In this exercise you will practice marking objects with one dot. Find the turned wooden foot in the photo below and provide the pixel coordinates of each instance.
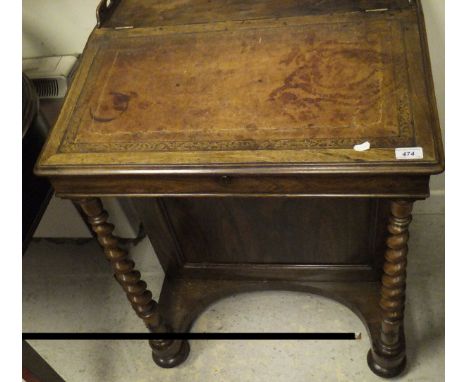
(166, 353)
(171, 355)
(387, 357)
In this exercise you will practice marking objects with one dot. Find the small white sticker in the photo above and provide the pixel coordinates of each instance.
(362, 147)
(409, 153)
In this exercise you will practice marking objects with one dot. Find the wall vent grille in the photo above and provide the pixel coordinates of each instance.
(50, 87)
(47, 87)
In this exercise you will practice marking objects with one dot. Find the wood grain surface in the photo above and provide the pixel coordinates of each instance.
(295, 91)
(273, 231)
(144, 13)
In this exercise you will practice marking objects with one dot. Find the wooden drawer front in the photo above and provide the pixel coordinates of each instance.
(246, 185)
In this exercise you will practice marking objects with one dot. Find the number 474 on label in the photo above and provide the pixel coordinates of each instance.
(409, 153)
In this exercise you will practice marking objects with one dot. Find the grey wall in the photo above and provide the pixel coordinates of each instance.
(54, 28)
(434, 13)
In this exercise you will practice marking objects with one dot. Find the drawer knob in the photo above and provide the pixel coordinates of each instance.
(226, 180)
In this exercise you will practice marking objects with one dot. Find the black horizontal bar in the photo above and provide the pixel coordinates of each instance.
(191, 336)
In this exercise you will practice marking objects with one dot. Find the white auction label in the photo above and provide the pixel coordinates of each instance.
(409, 153)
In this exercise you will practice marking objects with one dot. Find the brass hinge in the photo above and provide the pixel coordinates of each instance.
(104, 10)
(377, 10)
(410, 2)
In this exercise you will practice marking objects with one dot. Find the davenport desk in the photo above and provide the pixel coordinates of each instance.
(239, 129)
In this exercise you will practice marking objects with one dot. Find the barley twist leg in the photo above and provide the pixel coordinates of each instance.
(387, 358)
(166, 353)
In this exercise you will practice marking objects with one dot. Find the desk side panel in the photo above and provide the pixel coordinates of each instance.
(307, 238)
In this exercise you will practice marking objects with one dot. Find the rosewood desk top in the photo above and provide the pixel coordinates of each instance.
(173, 102)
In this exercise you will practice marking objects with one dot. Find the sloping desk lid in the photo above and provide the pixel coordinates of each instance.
(291, 94)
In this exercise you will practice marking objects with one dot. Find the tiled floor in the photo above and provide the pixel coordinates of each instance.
(68, 287)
